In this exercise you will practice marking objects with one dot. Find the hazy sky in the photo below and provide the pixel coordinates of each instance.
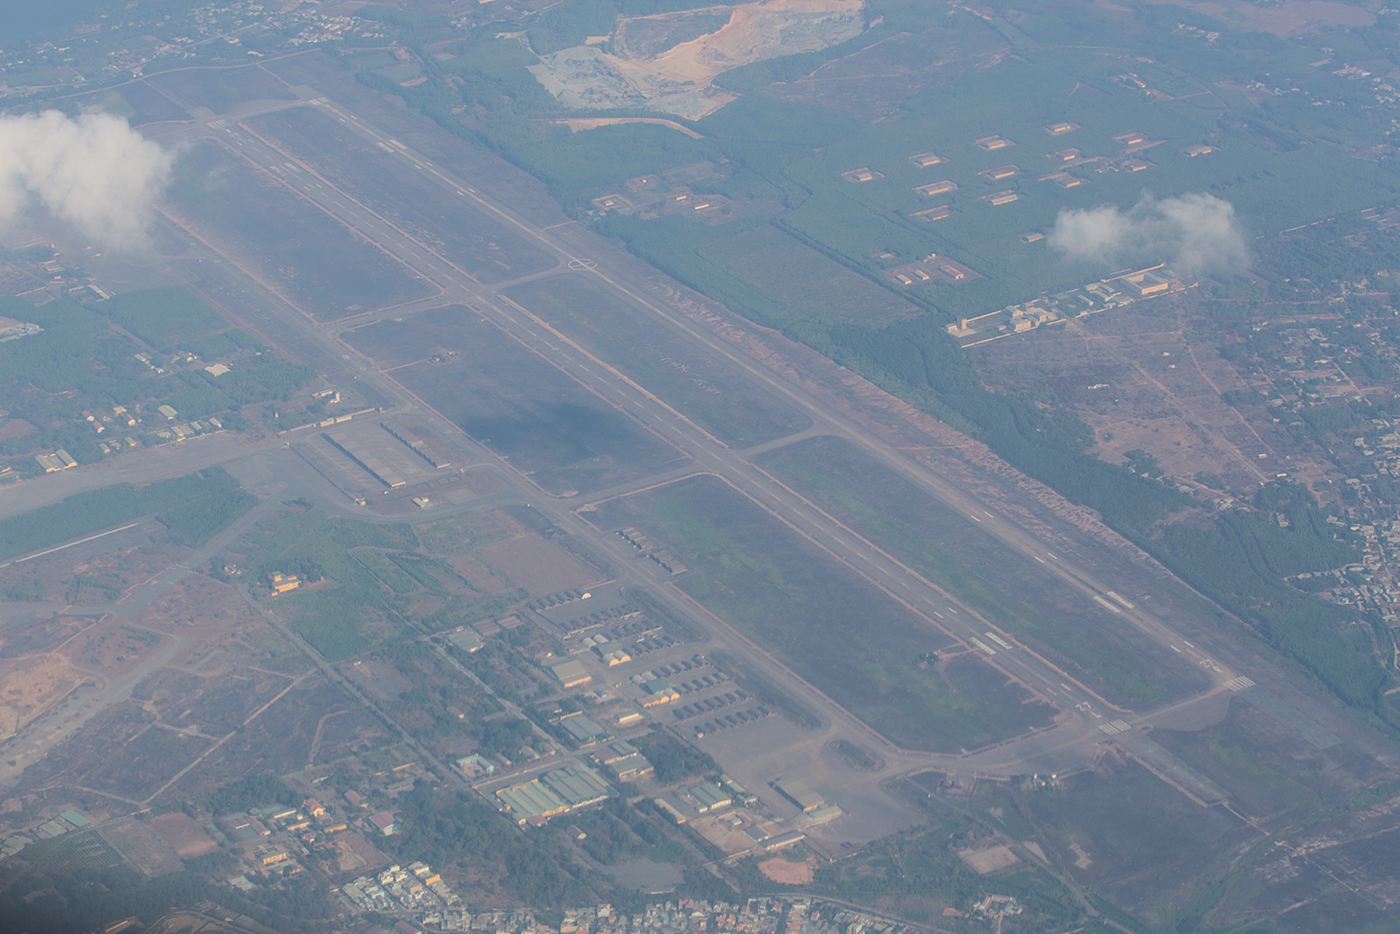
(23, 19)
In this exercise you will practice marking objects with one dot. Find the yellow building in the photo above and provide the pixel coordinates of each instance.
(281, 583)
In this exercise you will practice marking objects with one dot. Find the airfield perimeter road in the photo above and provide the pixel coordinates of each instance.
(1078, 727)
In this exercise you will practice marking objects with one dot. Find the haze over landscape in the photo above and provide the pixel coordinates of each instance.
(652, 467)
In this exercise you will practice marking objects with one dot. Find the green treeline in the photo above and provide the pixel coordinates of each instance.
(673, 759)
(194, 508)
(536, 869)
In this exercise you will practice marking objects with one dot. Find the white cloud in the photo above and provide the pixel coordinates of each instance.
(92, 171)
(1194, 232)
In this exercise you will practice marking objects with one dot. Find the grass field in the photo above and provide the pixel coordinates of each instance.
(460, 534)
(726, 403)
(417, 202)
(836, 630)
(195, 507)
(991, 578)
(220, 90)
(1262, 163)
(1136, 839)
(1266, 182)
(801, 277)
(1271, 771)
(324, 268)
(349, 611)
(376, 582)
(388, 573)
(511, 400)
(162, 317)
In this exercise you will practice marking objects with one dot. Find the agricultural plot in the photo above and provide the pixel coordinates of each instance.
(337, 272)
(843, 635)
(726, 403)
(416, 202)
(84, 850)
(526, 410)
(1006, 587)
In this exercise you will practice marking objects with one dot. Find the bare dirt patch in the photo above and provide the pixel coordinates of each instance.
(182, 833)
(988, 859)
(479, 574)
(112, 647)
(679, 78)
(40, 636)
(782, 871)
(1144, 383)
(219, 629)
(356, 853)
(142, 849)
(578, 124)
(539, 566)
(30, 686)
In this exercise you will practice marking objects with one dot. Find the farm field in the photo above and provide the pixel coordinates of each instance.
(475, 242)
(726, 403)
(336, 273)
(1001, 584)
(524, 409)
(848, 639)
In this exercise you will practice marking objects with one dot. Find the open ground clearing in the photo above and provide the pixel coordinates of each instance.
(1135, 838)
